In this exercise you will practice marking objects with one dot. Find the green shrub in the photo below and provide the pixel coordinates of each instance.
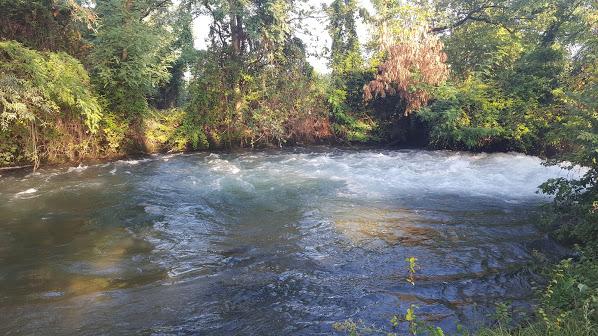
(467, 116)
(278, 104)
(575, 206)
(48, 110)
(114, 131)
(345, 125)
(568, 304)
(166, 131)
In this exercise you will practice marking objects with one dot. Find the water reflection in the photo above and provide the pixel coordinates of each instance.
(392, 226)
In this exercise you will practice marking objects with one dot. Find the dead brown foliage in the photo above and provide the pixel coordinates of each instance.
(410, 65)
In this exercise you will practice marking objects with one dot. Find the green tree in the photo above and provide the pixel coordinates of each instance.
(173, 93)
(345, 96)
(131, 58)
(240, 89)
(49, 25)
(520, 56)
(345, 53)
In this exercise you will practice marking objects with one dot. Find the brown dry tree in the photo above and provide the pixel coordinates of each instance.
(412, 64)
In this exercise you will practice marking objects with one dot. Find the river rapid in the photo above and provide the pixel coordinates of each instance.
(267, 243)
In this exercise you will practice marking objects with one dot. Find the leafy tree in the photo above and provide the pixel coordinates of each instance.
(482, 49)
(240, 89)
(392, 22)
(345, 50)
(521, 54)
(50, 25)
(347, 110)
(408, 62)
(131, 57)
(575, 207)
(409, 66)
(173, 92)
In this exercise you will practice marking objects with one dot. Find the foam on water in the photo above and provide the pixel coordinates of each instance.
(25, 193)
(78, 169)
(219, 165)
(403, 173)
(509, 176)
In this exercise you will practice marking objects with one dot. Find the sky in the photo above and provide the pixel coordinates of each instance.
(316, 41)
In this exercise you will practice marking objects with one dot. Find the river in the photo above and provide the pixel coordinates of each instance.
(266, 243)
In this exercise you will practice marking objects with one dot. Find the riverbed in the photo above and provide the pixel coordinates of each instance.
(283, 242)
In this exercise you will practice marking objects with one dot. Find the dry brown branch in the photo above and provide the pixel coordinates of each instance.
(410, 64)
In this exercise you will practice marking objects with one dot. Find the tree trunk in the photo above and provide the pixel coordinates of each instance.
(237, 36)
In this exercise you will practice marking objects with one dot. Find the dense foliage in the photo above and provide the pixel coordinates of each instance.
(130, 58)
(447, 74)
(48, 109)
(348, 112)
(48, 25)
(239, 94)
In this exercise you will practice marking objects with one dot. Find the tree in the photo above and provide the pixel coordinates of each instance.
(393, 21)
(408, 68)
(410, 59)
(48, 109)
(173, 93)
(240, 91)
(517, 59)
(49, 25)
(348, 72)
(345, 53)
(131, 58)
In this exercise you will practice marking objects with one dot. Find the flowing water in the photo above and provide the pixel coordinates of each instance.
(266, 243)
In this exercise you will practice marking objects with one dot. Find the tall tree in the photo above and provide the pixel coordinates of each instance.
(409, 58)
(131, 55)
(345, 53)
(48, 25)
(249, 50)
(348, 71)
(173, 92)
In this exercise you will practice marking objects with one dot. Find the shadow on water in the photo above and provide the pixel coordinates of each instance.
(71, 241)
(265, 243)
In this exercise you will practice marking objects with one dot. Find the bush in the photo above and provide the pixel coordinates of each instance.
(165, 131)
(48, 110)
(281, 103)
(466, 117)
(114, 132)
(568, 304)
